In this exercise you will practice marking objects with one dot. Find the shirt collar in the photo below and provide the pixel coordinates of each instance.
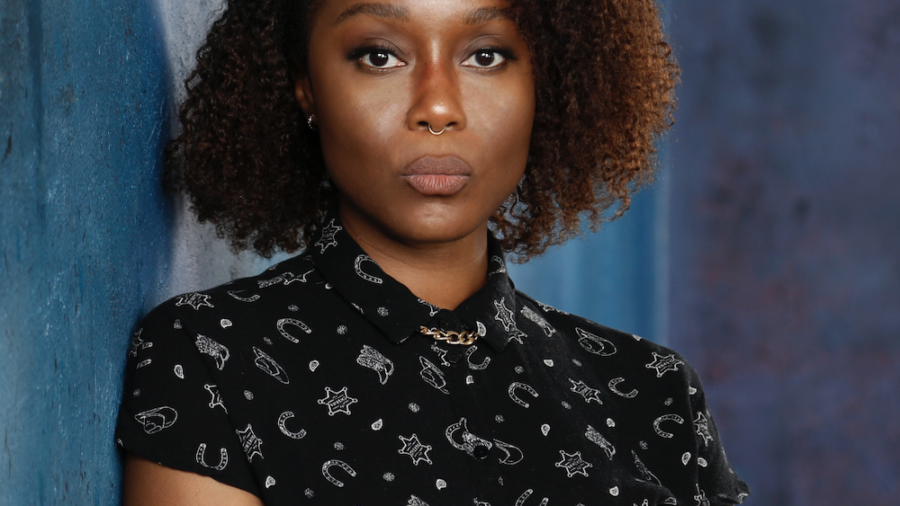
(393, 309)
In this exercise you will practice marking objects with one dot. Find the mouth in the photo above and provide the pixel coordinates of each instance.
(440, 176)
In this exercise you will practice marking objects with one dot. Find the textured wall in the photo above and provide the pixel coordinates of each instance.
(84, 234)
(785, 264)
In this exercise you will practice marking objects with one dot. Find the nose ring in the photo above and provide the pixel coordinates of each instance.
(436, 133)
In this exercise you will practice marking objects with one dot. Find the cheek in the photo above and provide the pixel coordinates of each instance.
(504, 121)
(357, 128)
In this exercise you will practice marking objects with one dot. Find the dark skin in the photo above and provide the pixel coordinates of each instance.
(418, 203)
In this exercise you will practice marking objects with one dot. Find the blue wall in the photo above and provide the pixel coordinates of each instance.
(84, 234)
(785, 258)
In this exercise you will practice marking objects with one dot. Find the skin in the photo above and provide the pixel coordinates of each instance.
(373, 111)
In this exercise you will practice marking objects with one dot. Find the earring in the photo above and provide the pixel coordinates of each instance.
(310, 122)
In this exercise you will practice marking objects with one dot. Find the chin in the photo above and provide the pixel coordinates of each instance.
(439, 230)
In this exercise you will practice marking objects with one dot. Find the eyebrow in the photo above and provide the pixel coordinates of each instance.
(388, 11)
(385, 11)
(485, 14)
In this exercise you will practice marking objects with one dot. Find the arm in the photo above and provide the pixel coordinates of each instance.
(150, 484)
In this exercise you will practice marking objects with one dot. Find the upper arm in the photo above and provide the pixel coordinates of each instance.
(150, 484)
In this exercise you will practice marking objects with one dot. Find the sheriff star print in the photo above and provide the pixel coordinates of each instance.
(414, 448)
(250, 442)
(327, 240)
(589, 394)
(701, 424)
(573, 464)
(195, 300)
(507, 318)
(337, 401)
(138, 344)
(664, 364)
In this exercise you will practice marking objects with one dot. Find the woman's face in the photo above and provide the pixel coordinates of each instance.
(381, 73)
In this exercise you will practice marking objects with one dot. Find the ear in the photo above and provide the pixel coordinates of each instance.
(303, 94)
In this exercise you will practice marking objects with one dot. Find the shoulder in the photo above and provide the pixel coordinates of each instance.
(615, 350)
(250, 296)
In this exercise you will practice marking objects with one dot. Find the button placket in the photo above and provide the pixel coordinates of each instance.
(483, 458)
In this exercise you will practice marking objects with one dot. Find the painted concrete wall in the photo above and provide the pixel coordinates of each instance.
(84, 234)
(785, 262)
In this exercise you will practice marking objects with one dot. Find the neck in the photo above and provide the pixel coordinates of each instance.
(444, 274)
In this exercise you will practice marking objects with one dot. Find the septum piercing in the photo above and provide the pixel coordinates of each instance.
(436, 133)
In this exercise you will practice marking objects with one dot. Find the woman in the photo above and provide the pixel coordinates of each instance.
(393, 362)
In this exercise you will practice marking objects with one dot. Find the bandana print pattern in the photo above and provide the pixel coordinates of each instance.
(310, 384)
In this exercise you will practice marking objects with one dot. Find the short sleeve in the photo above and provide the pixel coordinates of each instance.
(718, 484)
(172, 411)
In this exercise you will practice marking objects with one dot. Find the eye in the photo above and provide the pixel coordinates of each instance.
(486, 59)
(378, 58)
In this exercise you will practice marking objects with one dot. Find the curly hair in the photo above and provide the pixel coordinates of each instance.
(604, 95)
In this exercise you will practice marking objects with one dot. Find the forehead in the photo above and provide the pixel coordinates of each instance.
(336, 12)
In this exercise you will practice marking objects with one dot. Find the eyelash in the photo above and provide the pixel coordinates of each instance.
(357, 54)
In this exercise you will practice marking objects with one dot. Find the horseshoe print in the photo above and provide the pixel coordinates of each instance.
(368, 277)
(223, 458)
(512, 393)
(326, 471)
(234, 294)
(282, 420)
(612, 386)
(525, 495)
(476, 367)
(296, 323)
(666, 418)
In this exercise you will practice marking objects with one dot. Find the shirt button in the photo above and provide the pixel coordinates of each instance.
(454, 354)
(447, 320)
(480, 452)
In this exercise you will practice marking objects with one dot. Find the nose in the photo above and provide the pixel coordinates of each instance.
(437, 101)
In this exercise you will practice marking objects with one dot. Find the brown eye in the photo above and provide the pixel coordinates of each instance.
(379, 59)
(485, 59)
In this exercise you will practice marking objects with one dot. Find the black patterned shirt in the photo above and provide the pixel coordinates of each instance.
(311, 384)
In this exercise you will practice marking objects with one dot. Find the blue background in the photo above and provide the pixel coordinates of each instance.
(767, 253)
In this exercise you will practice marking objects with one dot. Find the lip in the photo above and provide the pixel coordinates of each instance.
(442, 176)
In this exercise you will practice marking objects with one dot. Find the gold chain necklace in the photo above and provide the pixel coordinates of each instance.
(464, 338)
